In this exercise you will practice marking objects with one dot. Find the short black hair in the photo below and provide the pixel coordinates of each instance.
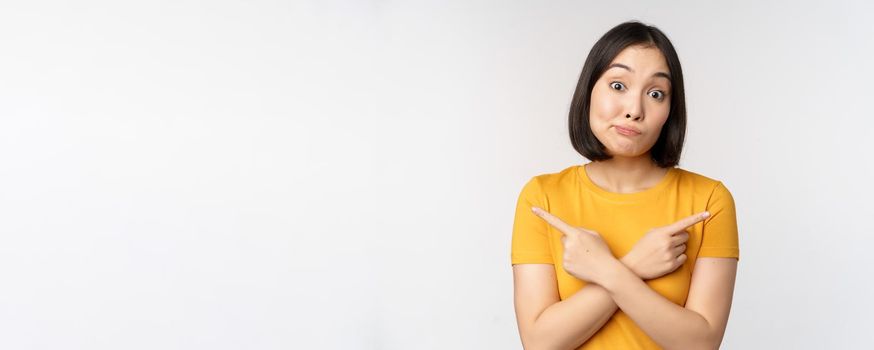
(667, 149)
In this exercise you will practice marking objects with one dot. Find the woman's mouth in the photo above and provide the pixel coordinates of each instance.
(626, 131)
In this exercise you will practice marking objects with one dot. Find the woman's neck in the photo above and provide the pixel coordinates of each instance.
(625, 175)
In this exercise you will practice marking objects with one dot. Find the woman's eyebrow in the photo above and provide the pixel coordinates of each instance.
(657, 74)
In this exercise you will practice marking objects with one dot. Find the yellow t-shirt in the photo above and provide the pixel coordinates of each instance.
(622, 219)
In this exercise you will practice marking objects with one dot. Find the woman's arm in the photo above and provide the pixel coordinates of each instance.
(588, 258)
(545, 321)
(700, 325)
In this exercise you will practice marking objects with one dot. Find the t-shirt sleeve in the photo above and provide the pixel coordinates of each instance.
(530, 243)
(720, 237)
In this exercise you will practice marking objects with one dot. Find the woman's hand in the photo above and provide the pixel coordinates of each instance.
(586, 255)
(661, 250)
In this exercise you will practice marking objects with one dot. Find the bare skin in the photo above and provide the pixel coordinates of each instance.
(638, 99)
(631, 94)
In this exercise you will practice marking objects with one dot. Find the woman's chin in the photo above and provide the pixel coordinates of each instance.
(625, 153)
(626, 149)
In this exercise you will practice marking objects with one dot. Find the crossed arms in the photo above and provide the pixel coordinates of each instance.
(546, 322)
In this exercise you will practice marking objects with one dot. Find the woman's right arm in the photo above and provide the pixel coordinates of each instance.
(545, 321)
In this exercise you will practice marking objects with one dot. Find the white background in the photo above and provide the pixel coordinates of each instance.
(343, 174)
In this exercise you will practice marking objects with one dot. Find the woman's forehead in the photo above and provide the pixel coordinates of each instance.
(637, 59)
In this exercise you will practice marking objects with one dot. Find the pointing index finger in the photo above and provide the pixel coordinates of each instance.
(687, 222)
(553, 220)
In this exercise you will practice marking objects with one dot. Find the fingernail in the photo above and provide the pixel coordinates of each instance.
(536, 210)
(706, 214)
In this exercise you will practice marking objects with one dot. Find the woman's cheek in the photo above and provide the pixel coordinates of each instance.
(600, 118)
(602, 105)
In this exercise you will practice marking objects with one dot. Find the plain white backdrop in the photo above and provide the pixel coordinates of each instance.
(343, 174)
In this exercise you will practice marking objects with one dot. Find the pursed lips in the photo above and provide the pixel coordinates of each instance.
(627, 130)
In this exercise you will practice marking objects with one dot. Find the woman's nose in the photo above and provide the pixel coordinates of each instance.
(635, 110)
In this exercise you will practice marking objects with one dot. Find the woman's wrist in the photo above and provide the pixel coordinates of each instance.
(629, 262)
(615, 275)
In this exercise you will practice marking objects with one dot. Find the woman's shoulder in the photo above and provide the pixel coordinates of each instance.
(561, 177)
(693, 180)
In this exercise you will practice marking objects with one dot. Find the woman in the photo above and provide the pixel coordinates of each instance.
(627, 251)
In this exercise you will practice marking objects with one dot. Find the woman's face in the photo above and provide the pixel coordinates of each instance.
(634, 94)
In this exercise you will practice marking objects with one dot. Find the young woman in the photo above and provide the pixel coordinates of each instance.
(627, 251)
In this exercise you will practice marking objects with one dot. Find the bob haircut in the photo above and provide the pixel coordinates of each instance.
(666, 150)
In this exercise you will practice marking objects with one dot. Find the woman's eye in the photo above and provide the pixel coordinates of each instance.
(615, 84)
(657, 94)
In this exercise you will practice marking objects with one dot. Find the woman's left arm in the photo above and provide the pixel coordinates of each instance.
(700, 325)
